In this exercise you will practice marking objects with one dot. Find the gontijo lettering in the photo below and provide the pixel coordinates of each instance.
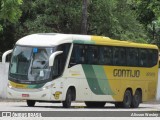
(126, 73)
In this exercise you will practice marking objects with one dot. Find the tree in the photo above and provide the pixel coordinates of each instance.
(84, 17)
(9, 14)
(115, 19)
(112, 18)
(41, 16)
(148, 12)
(9, 11)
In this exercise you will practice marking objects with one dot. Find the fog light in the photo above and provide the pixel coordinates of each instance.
(9, 85)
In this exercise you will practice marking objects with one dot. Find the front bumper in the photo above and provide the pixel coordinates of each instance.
(32, 94)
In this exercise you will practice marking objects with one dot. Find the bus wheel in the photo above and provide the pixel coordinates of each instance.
(136, 99)
(68, 100)
(127, 99)
(118, 104)
(31, 103)
(95, 104)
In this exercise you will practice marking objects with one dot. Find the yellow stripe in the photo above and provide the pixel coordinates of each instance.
(17, 85)
(107, 41)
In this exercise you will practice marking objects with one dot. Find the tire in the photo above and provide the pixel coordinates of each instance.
(95, 104)
(31, 103)
(136, 100)
(127, 99)
(68, 100)
(118, 104)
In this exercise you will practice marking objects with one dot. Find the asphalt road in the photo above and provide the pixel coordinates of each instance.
(22, 106)
(58, 110)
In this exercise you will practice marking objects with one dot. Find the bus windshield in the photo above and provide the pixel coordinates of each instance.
(30, 64)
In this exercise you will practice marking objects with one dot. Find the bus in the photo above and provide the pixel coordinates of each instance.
(61, 68)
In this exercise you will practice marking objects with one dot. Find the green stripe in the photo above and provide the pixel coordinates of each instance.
(97, 79)
(83, 42)
(35, 86)
(92, 80)
(102, 80)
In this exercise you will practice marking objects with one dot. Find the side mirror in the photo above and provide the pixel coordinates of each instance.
(5, 55)
(52, 57)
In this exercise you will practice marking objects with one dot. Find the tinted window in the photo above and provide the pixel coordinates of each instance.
(92, 55)
(60, 60)
(143, 58)
(119, 56)
(78, 55)
(132, 57)
(122, 56)
(115, 56)
(106, 56)
(153, 57)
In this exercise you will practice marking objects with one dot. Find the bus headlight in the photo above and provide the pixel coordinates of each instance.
(47, 87)
(9, 85)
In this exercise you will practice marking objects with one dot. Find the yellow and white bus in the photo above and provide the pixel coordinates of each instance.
(93, 69)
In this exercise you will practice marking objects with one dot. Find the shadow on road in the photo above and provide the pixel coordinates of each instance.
(84, 107)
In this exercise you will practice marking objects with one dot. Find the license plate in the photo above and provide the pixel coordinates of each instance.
(25, 95)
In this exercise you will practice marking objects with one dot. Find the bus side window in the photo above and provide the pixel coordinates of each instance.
(105, 56)
(115, 56)
(153, 56)
(132, 57)
(81, 54)
(73, 57)
(119, 56)
(92, 55)
(143, 60)
(109, 56)
(122, 56)
(60, 60)
(56, 67)
(102, 55)
(78, 55)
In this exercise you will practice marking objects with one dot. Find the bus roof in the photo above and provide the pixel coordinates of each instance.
(53, 39)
